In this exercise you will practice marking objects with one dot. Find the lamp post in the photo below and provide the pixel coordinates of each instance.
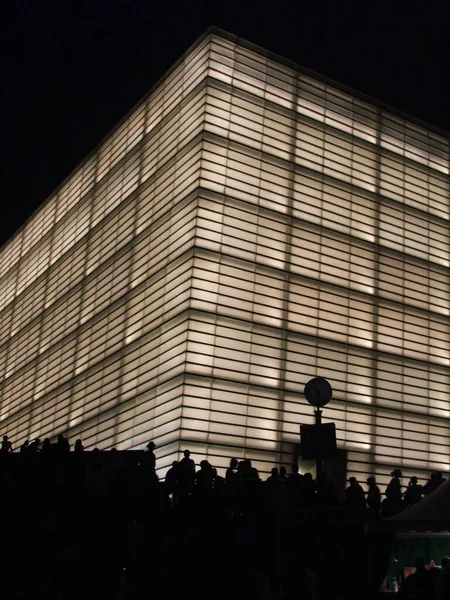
(318, 393)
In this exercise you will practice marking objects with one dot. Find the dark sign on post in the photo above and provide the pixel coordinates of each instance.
(318, 441)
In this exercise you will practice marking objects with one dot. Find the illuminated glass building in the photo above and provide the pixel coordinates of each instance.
(247, 227)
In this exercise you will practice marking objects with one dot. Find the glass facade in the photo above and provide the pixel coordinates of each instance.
(248, 227)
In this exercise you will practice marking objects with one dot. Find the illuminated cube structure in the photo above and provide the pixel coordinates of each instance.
(247, 227)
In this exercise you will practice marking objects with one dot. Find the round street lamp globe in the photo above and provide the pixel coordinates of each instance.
(318, 391)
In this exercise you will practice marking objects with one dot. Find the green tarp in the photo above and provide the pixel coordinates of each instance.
(409, 547)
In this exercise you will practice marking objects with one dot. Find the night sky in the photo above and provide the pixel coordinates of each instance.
(73, 68)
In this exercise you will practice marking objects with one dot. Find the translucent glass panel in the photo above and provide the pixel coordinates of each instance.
(411, 440)
(159, 298)
(39, 226)
(73, 209)
(165, 241)
(71, 229)
(85, 384)
(229, 404)
(278, 133)
(36, 229)
(249, 120)
(410, 333)
(252, 72)
(77, 186)
(262, 77)
(102, 288)
(8, 288)
(407, 385)
(326, 204)
(415, 235)
(217, 411)
(253, 177)
(321, 102)
(121, 142)
(165, 141)
(167, 98)
(414, 143)
(414, 283)
(414, 186)
(10, 254)
(120, 184)
(95, 413)
(305, 250)
(336, 156)
(35, 263)
(313, 228)
(245, 175)
(234, 231)
(245, 229)
(175, 87)
(235, 289)
(91, 325)
(236, 408)
(177, 179)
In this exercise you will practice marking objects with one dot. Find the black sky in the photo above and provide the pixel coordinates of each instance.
(73, 68)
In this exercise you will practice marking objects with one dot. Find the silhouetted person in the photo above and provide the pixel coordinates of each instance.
(46, 446)
(231, 483)
(439, 479)
(231, 472)
(249, 472)
(273, 480)
(393, 504)
(6, 445)
(204, 479)
(283, 475)
(296, 484)
(78, 446)
(373, 496)
(187, 473)
(217, 478)
(62, 444)
(79, 463)
(433, 483)
(24, 446)
(172, 482)
(273, 488)
(394, 488)
(433, 574)
(430, 485)
(442, 583)
(239, 470)
(34, 446)
(417, 586)
(96, 473)
(218, 482)
(354, 494)
(413, 492)
(326, 494)
(150, 459)
(150, 479)
(309, 492)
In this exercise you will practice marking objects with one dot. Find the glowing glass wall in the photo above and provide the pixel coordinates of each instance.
(247, 228)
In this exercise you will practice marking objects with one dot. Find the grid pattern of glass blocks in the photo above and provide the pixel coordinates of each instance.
(248, 227)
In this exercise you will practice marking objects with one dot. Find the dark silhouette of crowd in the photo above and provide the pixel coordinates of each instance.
(97, 524)
(397, 498)
(427, 582)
